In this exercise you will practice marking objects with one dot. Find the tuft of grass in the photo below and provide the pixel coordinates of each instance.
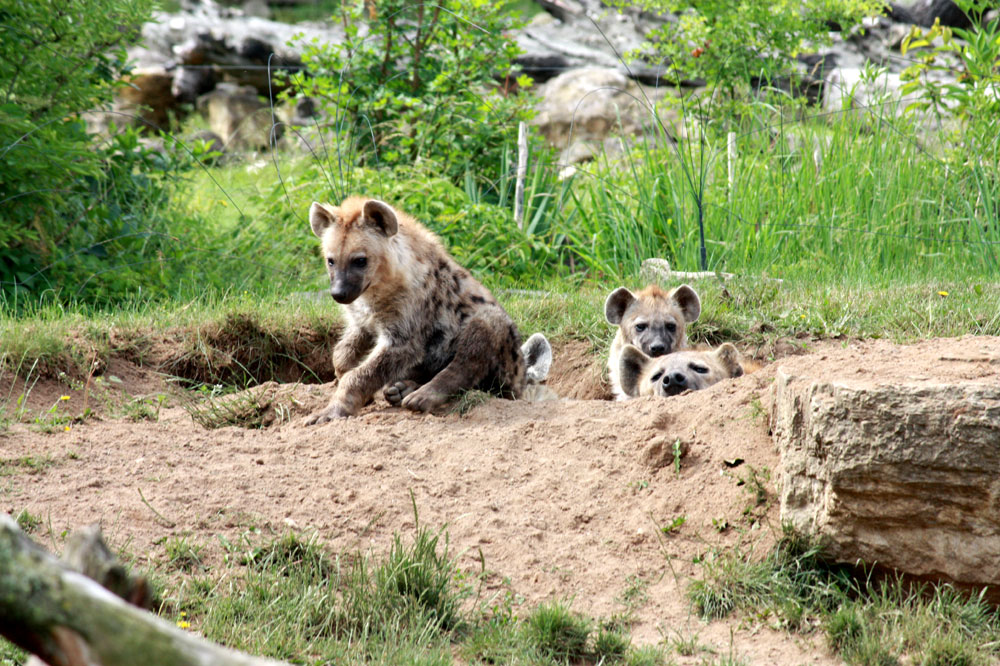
(645, 655)
(217, 409)
(421, 573)
(685, 647)
(558, 633)
(183, 555)
(611, 646)
(290, 551)
(469, 400)
(27, 521)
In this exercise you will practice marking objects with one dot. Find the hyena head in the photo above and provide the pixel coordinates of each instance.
(653, 320)
(355, 237)
(677, 372)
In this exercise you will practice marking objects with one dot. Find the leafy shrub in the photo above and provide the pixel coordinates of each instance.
(974, 94)
(413, 81)
(728, 44)
(57, 61)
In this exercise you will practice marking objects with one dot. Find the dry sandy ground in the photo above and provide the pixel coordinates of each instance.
(563, 499)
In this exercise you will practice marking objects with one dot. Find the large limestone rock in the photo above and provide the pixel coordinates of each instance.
(582, 110)
(899, 467)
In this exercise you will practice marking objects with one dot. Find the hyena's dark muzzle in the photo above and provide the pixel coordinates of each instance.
(656, 340)
(346, 286)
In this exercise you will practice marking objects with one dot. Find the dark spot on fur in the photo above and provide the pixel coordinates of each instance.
(478, 299)
(458, 281)
(513, 354)
(435, 338)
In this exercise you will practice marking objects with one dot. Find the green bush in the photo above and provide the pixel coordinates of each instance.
(970, 87)
(66, 204)
(729, 44)
(413, 81)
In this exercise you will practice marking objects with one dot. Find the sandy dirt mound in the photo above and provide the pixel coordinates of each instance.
(563, 499)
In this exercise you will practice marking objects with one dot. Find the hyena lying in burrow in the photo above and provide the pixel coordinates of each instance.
(653, 320)
(677, 372)
(419, 326)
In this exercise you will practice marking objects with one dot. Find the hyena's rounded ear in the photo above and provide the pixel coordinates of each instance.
(616, 305)
(686, 298)
(537, 354)
(320, 218)
(381, 216)
(630, 367)
(729, 358)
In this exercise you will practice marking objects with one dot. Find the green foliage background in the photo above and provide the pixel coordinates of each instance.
(421, 104)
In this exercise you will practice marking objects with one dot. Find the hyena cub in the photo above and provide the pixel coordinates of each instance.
(652, 320)
(677, 372)
(419, 325)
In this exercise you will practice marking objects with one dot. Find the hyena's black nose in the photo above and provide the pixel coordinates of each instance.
(674, 379)
(342, 294)
(657, 349)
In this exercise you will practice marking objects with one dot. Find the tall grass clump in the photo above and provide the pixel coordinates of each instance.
(825, 197)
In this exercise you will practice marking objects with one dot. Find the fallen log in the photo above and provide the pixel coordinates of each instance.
(68, 619)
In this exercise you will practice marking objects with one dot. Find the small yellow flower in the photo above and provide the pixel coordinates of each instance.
(183, 624)
(802, 316)
(942, 294)
(184, 614)
(64, 397)
(67, 428)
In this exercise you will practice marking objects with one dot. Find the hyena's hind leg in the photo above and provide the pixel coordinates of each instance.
(487, 355)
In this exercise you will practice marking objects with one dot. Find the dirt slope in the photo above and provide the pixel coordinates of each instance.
(564, 499)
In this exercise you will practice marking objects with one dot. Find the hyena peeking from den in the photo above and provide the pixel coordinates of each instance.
(653, 320)
(675, 373)
(419, 326)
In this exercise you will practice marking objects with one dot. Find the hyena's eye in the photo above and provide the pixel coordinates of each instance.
(655, 378)
(700, 369)
(640, 328)
(359, 262)
(671, 327)
(330, 262)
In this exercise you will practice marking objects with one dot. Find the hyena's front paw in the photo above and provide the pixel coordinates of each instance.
(331, 413)
(424, 399)
(396, 392)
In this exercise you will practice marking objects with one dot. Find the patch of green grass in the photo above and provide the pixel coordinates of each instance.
(646, 655)
(212, 408)
(26, 465)
(289, 599)
(183, 555)
(866, 621)
(611, 646)
(27, 521)
(684, 646)
(469, 400)
(558, 633)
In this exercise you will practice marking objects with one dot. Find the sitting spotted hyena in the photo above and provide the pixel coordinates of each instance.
(677, 372)
(419, 325)
(653, 320)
